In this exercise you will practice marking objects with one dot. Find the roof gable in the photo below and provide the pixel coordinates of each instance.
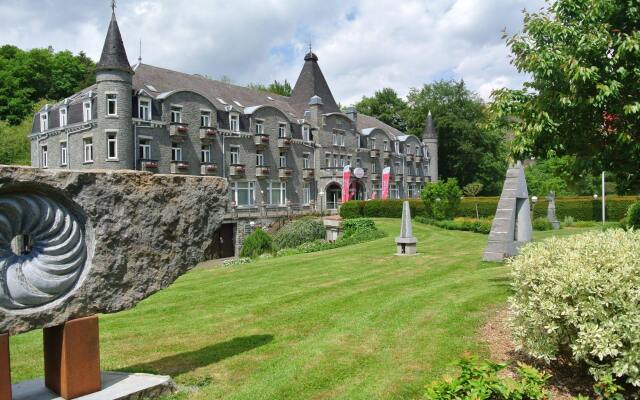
(311, 82)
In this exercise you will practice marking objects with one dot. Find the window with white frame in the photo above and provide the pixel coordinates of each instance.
(64, 153)
(234, 122)
(327, 160)
(144, 109)
(176, 151)
(358, 162)
(112, 104)
(341, 136)
(283, 160)
(342, 161)
(277, 193)
(306, 193)
(88, 149)
(377, 190)
(205, 119)
(44, 122)
(259, 158)
(306, 133)
(112, 146)
(336, 161)
(394, 193)
(335, 139)
(386, 145)
(176, 114)
(374, 167)
(243, 193)
(63, 116)
(144, 149)
(306, 160)
(205, 153)
(44, 152)
(397, 169)
(397, 145)
(86, 111)
(282, 130)
(417, 150)
(259, 127)
(372, 143)
(234, 155)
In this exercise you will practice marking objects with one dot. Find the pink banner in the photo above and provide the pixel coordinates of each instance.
(346, 182)
(386, 172)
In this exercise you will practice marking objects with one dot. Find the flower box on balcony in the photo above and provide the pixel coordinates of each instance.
(418, 159)
(386, 154)
(308, 173)
(374, 177)
(284, 143)
(207, 133)
(418, 179)
(261, 140)
(285, 173)
(262, 171)
(178, 130)
(408, 157)
(410, 179)
(398, 177)
(150, 164)
(179, 166)
(374, 153)
(208, 169)
(236, 170)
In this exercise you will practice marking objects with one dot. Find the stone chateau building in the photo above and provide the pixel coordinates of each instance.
(280, 155)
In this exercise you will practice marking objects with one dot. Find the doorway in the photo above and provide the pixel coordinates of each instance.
(224, 241)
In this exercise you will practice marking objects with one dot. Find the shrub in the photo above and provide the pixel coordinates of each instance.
(357, 225)
(482, 225)
(542, 224)
(352, 209)
(633, 216)
(481, 381)
(578, 297)
(441, 199)
(568, 221)
(297, 232)
(257, 243)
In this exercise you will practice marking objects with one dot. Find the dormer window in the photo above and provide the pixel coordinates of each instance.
(306, 136)
(176, 114)
(259, 127)
(63, 116)
(234, 123)
(397, 146)
(386, 146)
(144, 109)
(112, 105)
(205, 119)
(86, 111)
(44, 122)
(372, 143)
(282, 130)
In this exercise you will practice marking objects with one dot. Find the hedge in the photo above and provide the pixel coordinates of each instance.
(581, 208)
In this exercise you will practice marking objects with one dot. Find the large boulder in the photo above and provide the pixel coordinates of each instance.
(77, 243)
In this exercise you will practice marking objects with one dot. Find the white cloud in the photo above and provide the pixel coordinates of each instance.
(363, 45)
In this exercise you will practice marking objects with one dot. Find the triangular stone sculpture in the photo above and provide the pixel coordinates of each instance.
(511, 226)
(406, 242)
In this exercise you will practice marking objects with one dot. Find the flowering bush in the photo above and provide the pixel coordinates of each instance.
(633, 216)
(579, 296)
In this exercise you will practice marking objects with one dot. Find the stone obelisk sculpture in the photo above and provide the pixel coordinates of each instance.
(551, 210)
(511, 226)
(406, 242)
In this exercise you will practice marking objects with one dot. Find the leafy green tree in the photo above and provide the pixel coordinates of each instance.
(386, 106)
(472, 190)
(14, 141)
(28, 76)
(583, 96)
(467, 149)
(276, 87)
(441, 199)
(564, 175)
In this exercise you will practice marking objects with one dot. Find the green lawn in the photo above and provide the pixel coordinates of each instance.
(353, 323)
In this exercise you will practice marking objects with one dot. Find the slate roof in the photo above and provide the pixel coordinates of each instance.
(429, 129)
(113, 55)
(311, 82)
(365, 121)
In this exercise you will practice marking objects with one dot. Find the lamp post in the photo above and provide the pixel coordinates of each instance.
(321, 202)
(603, 202)
(534, 200)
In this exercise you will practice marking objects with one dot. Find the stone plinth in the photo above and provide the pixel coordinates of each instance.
(511, 227)
(333, 226)
(551, 211)
(406, 243)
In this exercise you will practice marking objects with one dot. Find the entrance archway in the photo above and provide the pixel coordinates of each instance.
(334, 195)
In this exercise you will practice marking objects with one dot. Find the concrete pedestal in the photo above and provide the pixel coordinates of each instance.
(5, 369)
(115, 385)
(406, 246)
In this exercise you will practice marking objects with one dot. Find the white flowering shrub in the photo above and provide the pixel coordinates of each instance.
(579, 296)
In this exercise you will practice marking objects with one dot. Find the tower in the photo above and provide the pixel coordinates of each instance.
(114, 78)
(430, 142)
(310, 83)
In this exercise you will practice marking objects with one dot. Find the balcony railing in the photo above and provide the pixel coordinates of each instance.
(236, 170)
(285, 172)
(410, 179)
(179, 167)
(178, 130)
(261, 140)
(419, 179)
(374, 177)
(398, 177)
(409, 157)
(418, 158)
(374, 153)
(208, 168)
(208, 133)
(284, 142)
(262, 171)
(308, 174)
(386, 154)
(148, 165)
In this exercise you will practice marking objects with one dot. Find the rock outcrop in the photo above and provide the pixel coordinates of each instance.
(77, 243)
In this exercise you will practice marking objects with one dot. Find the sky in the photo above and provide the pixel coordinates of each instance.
(362, 45)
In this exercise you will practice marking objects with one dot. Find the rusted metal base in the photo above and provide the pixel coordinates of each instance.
(5, 369)
(72, 358)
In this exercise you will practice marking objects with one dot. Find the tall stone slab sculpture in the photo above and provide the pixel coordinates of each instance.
(551, 210)
(77, 243)
(406, 243)
(511, 226)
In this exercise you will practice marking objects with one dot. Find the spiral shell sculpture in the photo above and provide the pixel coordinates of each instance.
(55, 254)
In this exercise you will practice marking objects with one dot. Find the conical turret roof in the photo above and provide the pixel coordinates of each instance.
(311, 82)
(114, 55)
(429, 129)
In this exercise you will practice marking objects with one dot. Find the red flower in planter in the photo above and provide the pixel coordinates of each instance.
(183, 166)
(151, 164)
(212, 167)
(211, 132)
(183, 129)
(264, 138)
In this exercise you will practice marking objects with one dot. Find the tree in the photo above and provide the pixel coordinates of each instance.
(28, 76)
(467, 149)
(472, 190)
(14, 141)
(282, 89)
(441, 199)
(386, 106)
(563, 175)
(583, 96)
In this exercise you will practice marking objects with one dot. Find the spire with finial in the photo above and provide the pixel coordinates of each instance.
(429, 128)
(114, 55)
